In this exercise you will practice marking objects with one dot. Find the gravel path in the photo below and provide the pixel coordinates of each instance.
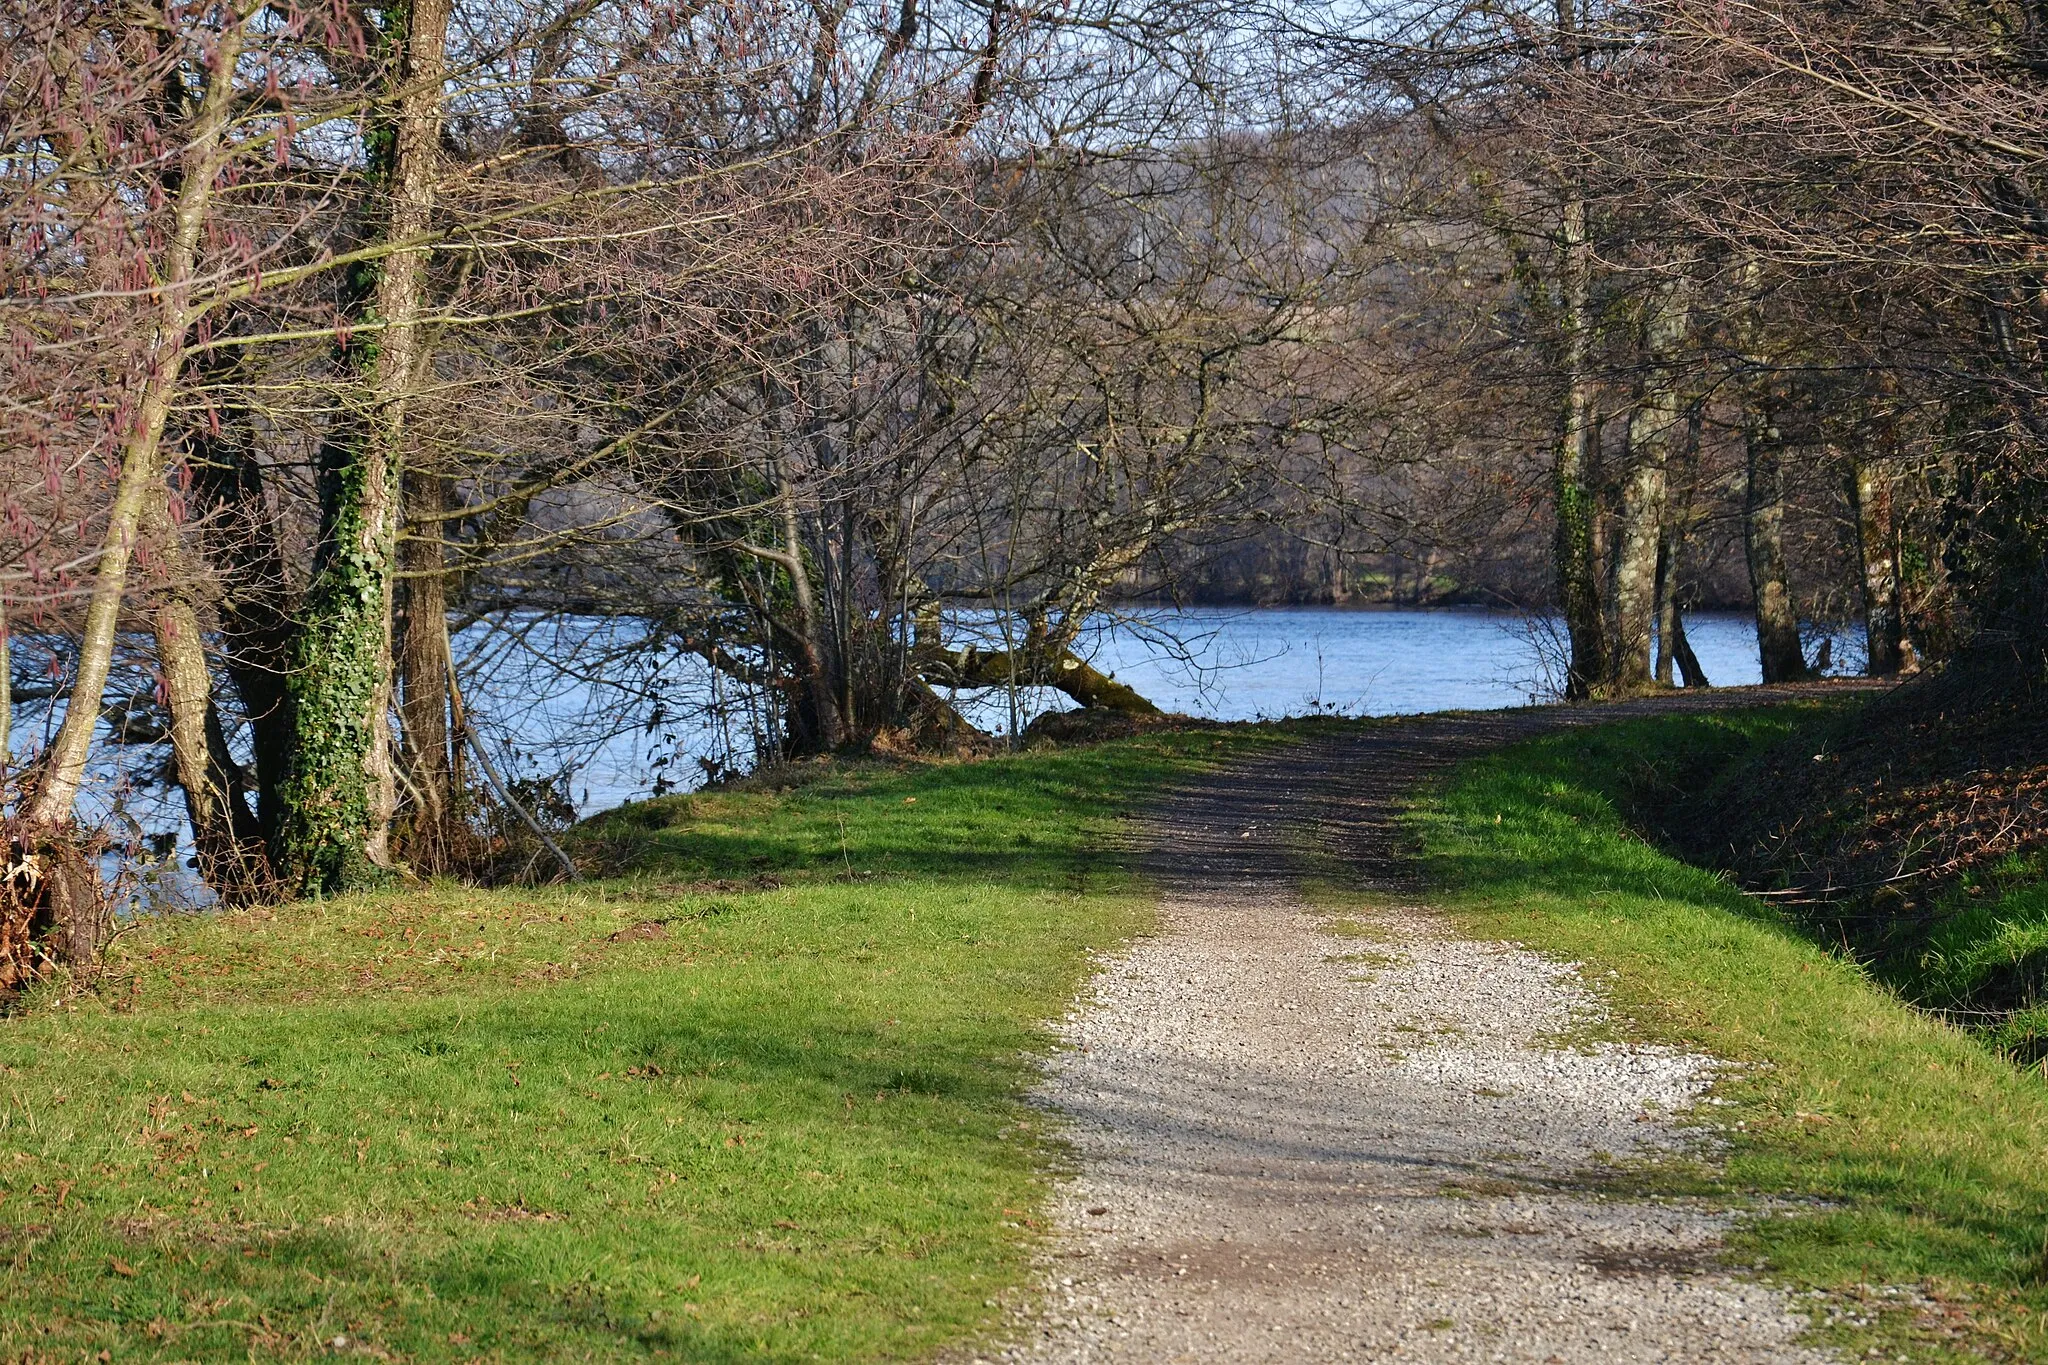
(1296, 1146)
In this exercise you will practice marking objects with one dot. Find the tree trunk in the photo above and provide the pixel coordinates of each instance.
(242, 541)
(1578, 580)
(1667, 604)
(341, 790)
(1777, 622)
(67, 908)
(142, 453)
(1870, 489)
(822, 720)
(423, 655)
(225, 836)
(245, 546)
(1653, 430)
(6, 699)
(1029, 667)
(1681, 648)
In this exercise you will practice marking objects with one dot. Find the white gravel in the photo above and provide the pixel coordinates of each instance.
(1294, 1146)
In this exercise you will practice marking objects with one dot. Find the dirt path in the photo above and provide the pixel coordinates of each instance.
(1299, 1147)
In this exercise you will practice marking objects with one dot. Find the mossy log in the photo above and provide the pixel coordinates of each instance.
(1088, 685)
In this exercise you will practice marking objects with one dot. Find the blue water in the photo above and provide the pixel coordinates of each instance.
(585, 702)
(1279, 661)
(1218, 663)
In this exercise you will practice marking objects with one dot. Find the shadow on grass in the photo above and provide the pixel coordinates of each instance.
(446, 1124)
(1033, 816)
(1920, 1148)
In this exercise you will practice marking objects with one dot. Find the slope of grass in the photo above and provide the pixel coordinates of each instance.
(1909, 828)
(1922, 1147)
(1990, 958)
(761, 1101)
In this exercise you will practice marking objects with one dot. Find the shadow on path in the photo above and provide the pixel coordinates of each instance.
(1344, 796)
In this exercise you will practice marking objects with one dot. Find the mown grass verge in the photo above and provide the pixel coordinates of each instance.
(1925, 1146)
(759, 1101)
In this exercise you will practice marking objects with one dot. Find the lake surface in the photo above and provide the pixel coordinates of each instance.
(1285, 661)
(1218, 663)
(583, 702)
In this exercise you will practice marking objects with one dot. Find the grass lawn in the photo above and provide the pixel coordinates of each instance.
(759, 1099)
(1929, 1151)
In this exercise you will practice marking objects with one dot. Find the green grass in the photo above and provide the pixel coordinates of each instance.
(1925, 1148)
(777, 1117)
(1986, 958)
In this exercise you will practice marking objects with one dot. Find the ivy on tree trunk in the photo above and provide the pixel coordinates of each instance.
(338, 794)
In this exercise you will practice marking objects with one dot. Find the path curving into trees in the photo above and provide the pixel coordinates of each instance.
(1295, 1144)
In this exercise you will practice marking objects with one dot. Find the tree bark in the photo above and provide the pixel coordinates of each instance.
(6, 697)
(1653, 430)
(1667, 604)
(1067, 672)
(1777, 621)
(225, 835)
(825, 721)
(1870, 490)
(423, 655)
(341, 790)
(66, 908)
(142, 453)
(1681, 648)
(1578, 582)
(245, 545)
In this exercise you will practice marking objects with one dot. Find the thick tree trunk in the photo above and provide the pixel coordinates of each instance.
(1067, 672)
(1091, 687)
(1777, 621)
(423, 654)
(241, 540)
(1870, 489)
(341, 790)
(1578, 582)
(245, 546)
(1653, 431)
